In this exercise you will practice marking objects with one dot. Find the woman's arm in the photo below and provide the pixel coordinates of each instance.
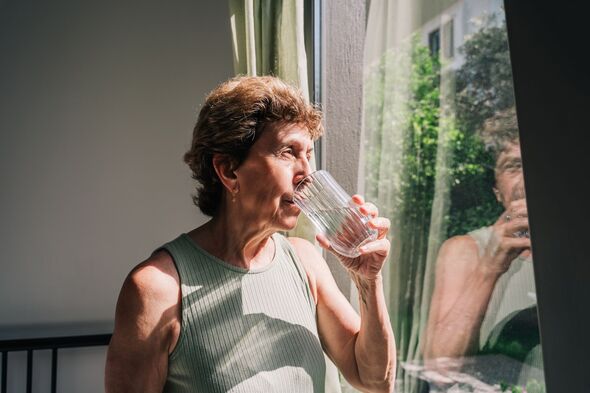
(363, 348)
(147, 325)
(375, 344)
(462, 291)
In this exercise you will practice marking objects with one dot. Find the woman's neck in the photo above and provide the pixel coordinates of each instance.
(235, 241)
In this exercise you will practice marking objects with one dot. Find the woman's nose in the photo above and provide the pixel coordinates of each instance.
(303, 169)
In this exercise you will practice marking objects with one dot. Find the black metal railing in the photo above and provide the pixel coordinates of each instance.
(45, 343)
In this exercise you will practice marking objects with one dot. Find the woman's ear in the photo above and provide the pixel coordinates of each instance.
(498, 195)
(225, 167)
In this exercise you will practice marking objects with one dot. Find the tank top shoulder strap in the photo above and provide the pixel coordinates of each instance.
(181, 250)
(290, 257)
(482, 237)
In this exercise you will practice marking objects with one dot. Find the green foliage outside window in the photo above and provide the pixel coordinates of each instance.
(532, 386)
(420, 146)
(483, 87)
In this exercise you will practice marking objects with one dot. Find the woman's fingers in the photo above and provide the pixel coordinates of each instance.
(366, 208)
(323, 241)
(517, 208)
(358, 199)
(381, 224)
(516, 246)
(380, 247)
(517, 243)
(518, 227)
(369, 209)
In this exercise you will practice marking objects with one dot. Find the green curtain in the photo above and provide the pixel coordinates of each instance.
(268, 39)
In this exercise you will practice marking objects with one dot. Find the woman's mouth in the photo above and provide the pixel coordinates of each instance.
(289, 202)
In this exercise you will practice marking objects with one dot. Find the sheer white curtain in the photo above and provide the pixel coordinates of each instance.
(408, 114)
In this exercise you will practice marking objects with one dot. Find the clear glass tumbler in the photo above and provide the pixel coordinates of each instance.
(333, 213)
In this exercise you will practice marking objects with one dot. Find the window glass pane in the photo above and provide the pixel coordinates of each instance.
(434, 42)
(441, 159)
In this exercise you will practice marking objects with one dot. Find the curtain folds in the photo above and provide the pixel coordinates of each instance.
(408, 115)
(268, 39)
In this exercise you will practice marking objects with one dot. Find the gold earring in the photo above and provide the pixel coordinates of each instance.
(234, 192)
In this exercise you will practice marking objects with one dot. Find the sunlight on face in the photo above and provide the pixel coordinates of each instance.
(277, 161)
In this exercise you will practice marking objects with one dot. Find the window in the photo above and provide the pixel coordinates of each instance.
(434, 42)
(442, 160)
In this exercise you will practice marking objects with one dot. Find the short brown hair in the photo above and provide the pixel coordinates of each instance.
(232, 118)
(500, 131)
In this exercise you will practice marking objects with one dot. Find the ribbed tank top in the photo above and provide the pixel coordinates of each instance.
(514, 293)
(244, 330)
(514, 290)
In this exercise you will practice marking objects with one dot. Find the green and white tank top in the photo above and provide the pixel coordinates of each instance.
(244, 330)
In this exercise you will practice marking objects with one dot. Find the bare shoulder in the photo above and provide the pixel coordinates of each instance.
(459, 246)
(156, 277)
(150, 299)
(151, 286)
(303, 247)
(310, 257)
(313, 262)
(147, 326)
(457, 255)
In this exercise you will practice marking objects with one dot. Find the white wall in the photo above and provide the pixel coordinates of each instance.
(97, 104)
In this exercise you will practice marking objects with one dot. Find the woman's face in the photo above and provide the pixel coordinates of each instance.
(509, 178)
(276, 162)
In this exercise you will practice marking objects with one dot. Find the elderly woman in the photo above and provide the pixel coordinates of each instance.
(234, 306)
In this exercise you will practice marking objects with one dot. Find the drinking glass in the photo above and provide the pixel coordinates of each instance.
(333, 213)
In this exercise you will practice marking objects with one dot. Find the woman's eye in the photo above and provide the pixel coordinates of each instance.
(288, 152)
(513, 167)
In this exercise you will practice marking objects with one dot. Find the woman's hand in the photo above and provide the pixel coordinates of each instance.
(368, 265)
(509, 238)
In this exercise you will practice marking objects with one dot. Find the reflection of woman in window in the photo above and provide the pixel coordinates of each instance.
(485, 276)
